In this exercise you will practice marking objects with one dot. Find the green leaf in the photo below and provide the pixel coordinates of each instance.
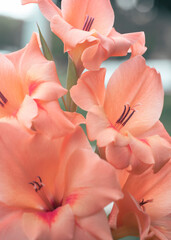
(46, 51)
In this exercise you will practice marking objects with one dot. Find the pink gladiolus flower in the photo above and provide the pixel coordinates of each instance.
(124, 116)
(145, 209)
(53, 189)
(27, 80)
(86, 28)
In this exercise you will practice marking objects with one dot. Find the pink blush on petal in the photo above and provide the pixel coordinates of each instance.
(48, 217)
(32, 87)
(71, 199)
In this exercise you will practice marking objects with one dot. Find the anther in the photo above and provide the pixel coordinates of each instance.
(88, 23)
(3, 98)
(145, 202)
(125, 116)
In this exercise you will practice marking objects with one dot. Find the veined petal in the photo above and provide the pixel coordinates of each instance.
(89, 179)
(140, 86)
(75, 12)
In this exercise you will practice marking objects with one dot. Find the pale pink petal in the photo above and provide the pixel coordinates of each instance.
(75, 12)
(89, 179)
(96, 225)
(27, 112)
(92, 89)
(50, 225)
(47, 7)
(135, 84)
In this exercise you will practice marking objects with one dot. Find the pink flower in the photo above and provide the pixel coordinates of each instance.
(124, 116)
(86, 28)
(145, 209)
(27, 79)
(53, 189)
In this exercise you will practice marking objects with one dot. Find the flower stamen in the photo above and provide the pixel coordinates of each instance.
(88, 23)
(142, 203)
(125, 116)
(45, 196)
(4, 100)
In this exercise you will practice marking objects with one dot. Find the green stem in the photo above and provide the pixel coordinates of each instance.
(71, 80)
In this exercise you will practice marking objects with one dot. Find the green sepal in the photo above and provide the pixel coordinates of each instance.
(46, 51)
(71, 81)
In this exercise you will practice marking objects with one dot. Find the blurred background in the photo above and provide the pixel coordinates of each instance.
(17, 23)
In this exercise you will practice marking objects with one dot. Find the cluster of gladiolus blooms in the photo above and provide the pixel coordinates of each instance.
(52, 184)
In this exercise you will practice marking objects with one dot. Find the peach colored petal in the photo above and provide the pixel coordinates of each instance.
(50, 225)
(152, 186)
(75, 12)
(140, 86)
(131, 219)
(27, 112)
(69, 35)
(119, 157)
(53, 122)
(161, 227)
(11, 88)
(73, 141)
(22, 60)
(10, 224)
(133, 41)
(92, 89)
(96, 225)
(21, 165)
(157, 129)
(96, 122)
(161, 150)
(85, 188)
(47, 7)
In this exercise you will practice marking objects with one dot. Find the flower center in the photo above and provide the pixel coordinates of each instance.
(3, 100)
(44, 194)
(125, 116)
(88, 23)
